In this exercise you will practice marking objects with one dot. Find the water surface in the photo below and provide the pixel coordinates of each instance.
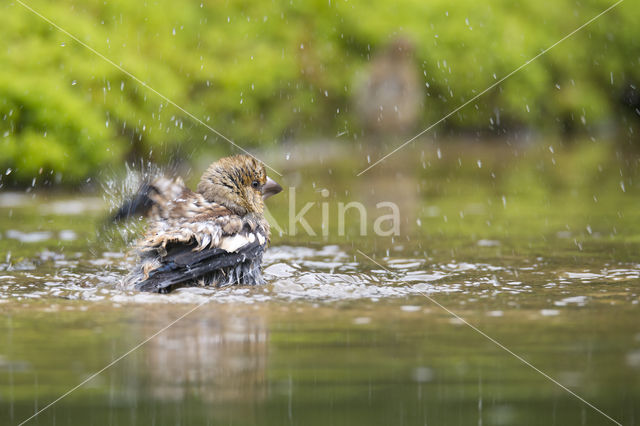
(544, 262)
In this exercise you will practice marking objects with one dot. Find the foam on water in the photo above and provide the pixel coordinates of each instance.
(324, 274)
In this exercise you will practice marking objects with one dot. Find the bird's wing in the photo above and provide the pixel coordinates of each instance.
(185, 262)
(151, 198)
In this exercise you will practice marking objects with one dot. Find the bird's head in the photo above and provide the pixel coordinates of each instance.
(239, 183)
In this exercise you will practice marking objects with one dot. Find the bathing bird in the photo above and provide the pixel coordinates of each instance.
(214, 236)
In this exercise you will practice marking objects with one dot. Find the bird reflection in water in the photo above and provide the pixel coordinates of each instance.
(212, 356)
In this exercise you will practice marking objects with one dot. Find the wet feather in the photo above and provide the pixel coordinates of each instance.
(213, 236)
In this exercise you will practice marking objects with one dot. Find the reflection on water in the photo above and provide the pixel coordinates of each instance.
(328, 338)
(218, 359)
(279, 363)
(334, 338)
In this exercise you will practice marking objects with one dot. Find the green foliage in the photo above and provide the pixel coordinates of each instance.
(263, 72)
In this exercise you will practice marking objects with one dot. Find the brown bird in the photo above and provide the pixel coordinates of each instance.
(215, 236)
(389, 98)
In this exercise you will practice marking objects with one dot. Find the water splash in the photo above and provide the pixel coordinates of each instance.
(318, 275)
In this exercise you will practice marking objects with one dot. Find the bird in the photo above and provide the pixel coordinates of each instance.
(389, 95)
(214, 236)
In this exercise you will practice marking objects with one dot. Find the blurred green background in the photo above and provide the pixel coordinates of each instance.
(271, 73)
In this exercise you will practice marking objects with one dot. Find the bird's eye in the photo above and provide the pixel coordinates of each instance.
(255, 184)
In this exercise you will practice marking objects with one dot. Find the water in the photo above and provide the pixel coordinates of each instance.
(350, 329)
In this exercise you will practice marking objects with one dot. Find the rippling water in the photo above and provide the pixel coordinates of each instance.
(324, 274)
(334, 337)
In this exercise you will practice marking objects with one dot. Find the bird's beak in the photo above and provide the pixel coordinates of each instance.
(270, 188)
